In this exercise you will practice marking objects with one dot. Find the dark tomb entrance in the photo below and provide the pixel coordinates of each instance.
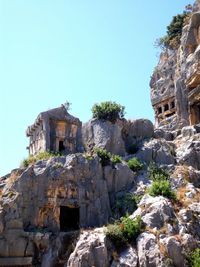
(61, 146)
(69, 219)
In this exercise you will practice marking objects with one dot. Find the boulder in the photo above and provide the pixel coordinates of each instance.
(127, 258)
(155, 211)
(138, 129)
(160, 133)
(157, 150)
(174, 250)
(90, 250)
(188, 153)
(188, 131)
(148, 250)
(104, 134)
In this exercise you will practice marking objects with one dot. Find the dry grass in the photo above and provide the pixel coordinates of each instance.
(183, 171)
(158, 232)
(163, 249)
(183, 201)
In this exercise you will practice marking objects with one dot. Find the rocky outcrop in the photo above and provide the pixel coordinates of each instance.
(155, 211)
(104, 134)
(118, 138)
(148, 250)
(50, 211)
(159, 151)
(175, 81)
(90, 250)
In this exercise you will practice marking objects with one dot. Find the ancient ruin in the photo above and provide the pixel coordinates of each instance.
(57, 212)
(169, 82)
(55, 130)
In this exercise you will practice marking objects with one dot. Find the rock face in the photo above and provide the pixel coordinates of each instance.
(90, 250)
(148, 250)
(50, 211)
(175, 81)
(61, 194)
(155, 211)
(117, 138)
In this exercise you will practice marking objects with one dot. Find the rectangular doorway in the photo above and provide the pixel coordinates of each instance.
(69, 219)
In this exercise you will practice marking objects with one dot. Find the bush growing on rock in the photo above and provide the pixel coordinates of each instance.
(124, 231)
(104, 155)
(116, 159)
(108, 110)
(174, 31)
(157, 174)
(41, 156)
(135, 165)
(162, 188)
(194, 258)
(160, 185)
(126, 204)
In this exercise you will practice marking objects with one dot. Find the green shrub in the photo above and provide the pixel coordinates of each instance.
(161, 188)
(124, 231)
(88, 156)
(194, 258)
(131, 228)
(135, 165)
(104, 155)
(40, 156)
(115, 234)
(157, 174)
(110, 111)
(116, 159)
(174, 32)
(126, 204)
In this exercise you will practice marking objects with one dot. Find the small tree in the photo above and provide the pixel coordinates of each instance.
(108, 110)
(174, 31)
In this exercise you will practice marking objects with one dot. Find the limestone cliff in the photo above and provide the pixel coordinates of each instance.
(141, 182)
(175, 81)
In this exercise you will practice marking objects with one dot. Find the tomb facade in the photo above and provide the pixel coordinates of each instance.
(55, 130)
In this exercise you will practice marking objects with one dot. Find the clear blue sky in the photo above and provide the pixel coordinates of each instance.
(83, 51)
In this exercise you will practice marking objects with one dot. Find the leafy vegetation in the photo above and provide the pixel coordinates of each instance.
(126, 204)
(104, 155)
(174, 31)
(157, 174)
(162, 188)
(40, 156)
(134, 164)
(124, 231)
(160, 185)
(116, 159)
(108, 110)
(194, 258)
